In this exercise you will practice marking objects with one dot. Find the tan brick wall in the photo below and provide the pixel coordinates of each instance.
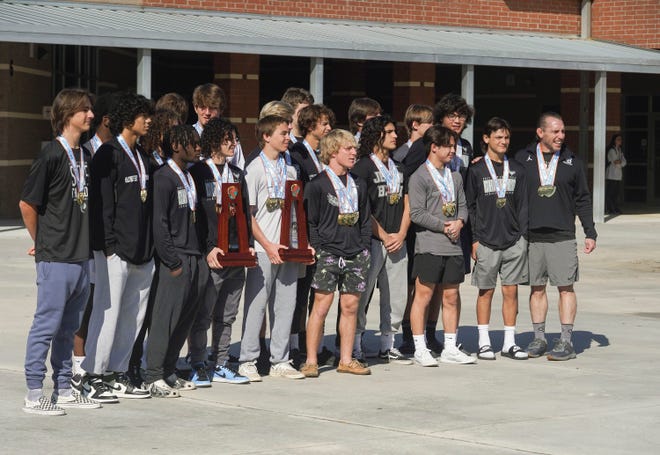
(635, 22)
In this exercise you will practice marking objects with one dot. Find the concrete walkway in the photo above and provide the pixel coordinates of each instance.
(607, 401)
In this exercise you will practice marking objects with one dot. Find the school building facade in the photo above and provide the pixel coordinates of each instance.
(594, 61)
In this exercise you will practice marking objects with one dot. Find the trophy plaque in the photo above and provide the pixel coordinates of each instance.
(232, 208)
(294, 225)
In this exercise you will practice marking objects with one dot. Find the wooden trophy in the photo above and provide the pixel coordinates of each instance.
(232, 207)
(294, 236)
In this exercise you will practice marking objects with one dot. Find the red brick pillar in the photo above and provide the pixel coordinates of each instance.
(238, 75)
(414, 83)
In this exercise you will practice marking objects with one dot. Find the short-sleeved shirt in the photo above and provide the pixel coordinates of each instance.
(388, 216)
(62, 224)
(270, 223)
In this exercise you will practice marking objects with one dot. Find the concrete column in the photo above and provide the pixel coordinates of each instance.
(600, 126)
(144, 72)
(467, 92)
(316, 79)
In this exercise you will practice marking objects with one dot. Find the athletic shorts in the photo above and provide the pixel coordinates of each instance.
(433, 269)
(349, 275)
(557, 261)
(510, 264)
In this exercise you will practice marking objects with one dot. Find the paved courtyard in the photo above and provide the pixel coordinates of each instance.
(607, 401)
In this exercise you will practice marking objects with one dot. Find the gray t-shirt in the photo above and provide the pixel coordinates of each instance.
(426, 212)
(257, 184)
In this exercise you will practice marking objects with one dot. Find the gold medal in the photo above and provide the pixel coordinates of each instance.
(348, 219)
(449, 209)
(393, 198)
(80, 198)
(143, 195)
(193, 216)
(218, 208)
(546, 190)
(501, 202)
(273, 203)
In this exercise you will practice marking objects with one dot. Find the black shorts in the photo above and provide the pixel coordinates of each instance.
(433, 269)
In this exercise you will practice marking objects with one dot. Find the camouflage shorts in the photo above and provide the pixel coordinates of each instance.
(347, 274)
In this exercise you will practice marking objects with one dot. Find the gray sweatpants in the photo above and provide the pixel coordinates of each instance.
(391, 272)
(220, 305)
(121, 294)
(62, 291)
(272, 286)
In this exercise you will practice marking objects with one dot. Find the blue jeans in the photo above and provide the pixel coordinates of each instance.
(62, 291)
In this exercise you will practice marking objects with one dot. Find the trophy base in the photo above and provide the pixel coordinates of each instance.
(237, 260)
(296, 255)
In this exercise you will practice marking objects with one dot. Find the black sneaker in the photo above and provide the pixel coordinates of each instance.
(563, 350)
(394, 356)
(327, 357)
(407, 347)
(95, 389)
(434, 346)
(134, 374)
(77, 382)
(123, 388)
(537, 347)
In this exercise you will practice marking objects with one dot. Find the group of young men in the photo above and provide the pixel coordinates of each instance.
(130, 263)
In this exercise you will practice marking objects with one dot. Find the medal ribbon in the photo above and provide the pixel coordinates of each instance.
(346, 194)
(499, 189)
(157, 157)
(444, 182)
(275, 178)
(188, 184)
(312, 154)
(96, 143)
(226, 177)
(78, 170)
(390, 173)
(140, 168)
(546, 172)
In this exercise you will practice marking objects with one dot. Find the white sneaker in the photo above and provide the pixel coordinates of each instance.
(285, 370)
(455, 355)
(249, 370)
(424, 358)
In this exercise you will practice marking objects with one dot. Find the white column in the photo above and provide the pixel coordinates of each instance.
(144, 72)
(600, 125)
(467, 92)
(316, 79)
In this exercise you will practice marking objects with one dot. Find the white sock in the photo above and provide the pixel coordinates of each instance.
(509, 337)
(77, 367)
(420, 342)
(450, 341)
(386, 342)
(357, 345)
(293, 341)
(484, 336)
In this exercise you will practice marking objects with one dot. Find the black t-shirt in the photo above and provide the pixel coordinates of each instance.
(494, 226)
(207, 220)
(388, 216)
(62, 225)
(322, 209)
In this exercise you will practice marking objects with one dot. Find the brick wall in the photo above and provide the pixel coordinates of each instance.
(552, 16)
(635, 22)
